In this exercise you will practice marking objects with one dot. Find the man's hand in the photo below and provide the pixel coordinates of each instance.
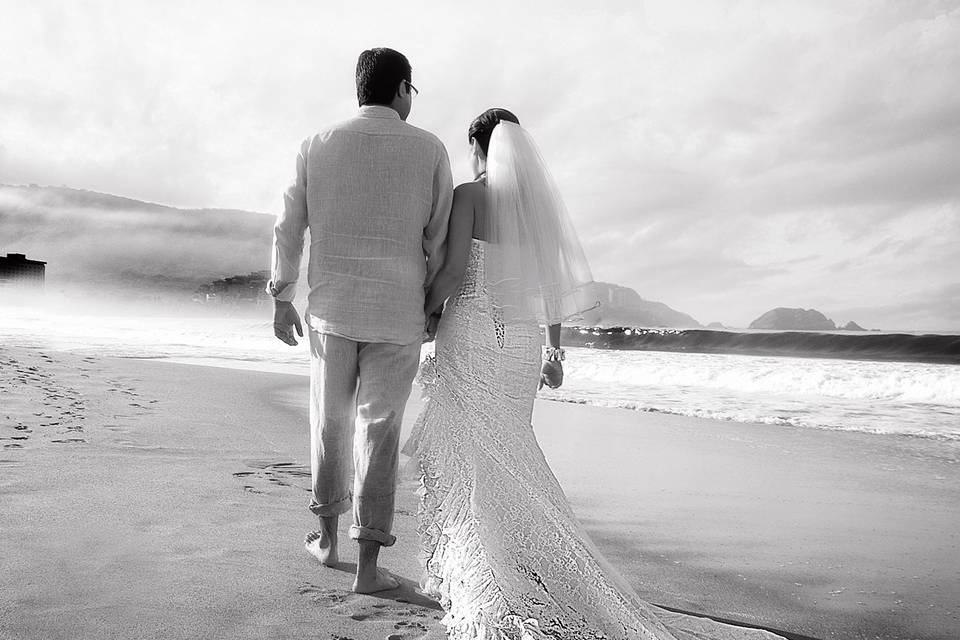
(285, 320)
(551, 374)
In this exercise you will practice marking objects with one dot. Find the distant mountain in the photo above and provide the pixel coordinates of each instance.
(623, 307)
(852, 326)
(784, 319)
(113, 243)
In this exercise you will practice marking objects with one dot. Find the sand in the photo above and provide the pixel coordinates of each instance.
(823, 533)
(153, 500)
(144, 499)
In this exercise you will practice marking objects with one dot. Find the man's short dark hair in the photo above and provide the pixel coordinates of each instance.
(379, 72)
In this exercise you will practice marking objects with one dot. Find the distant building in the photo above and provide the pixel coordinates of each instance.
(18, 271)
(235, 290)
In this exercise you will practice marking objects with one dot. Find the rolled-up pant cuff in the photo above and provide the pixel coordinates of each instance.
(328, 509)
(365, 533)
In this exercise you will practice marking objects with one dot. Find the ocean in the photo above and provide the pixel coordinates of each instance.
(904, 398)
(893, 396)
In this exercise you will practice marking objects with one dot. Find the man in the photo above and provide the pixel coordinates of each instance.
(375, 193)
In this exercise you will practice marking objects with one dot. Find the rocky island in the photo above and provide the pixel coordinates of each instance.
(786, 319)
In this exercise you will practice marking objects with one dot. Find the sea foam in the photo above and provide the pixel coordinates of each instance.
(897, 398)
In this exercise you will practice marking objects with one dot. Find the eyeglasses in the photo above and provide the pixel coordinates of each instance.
(412, 88)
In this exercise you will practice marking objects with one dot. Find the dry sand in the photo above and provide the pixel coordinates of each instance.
(155, 500)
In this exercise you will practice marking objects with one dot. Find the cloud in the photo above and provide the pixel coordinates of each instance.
(724, 158)
(942, 302)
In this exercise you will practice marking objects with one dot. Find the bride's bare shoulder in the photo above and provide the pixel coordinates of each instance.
(472, 190)
(471, 195)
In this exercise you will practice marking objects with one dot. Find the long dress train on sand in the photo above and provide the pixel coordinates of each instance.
(504, 553)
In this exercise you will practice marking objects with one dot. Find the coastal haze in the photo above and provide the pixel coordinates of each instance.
(725, 160)
(760, 423)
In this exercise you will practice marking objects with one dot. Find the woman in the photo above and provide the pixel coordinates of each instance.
(505, 555)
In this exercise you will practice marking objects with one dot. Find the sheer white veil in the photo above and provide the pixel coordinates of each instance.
(533, 261)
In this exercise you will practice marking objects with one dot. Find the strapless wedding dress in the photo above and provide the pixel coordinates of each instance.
(504, 553)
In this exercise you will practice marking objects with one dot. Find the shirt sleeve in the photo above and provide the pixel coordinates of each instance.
(288, 234)
(435, 232)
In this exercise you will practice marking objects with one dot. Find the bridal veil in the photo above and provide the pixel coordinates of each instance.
(534, 263)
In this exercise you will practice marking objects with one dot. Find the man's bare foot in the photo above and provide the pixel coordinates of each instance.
(322, 548)
(322, 544)
(381, 580)
(371, 578)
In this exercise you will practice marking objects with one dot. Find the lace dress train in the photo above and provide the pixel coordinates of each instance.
(504, 553)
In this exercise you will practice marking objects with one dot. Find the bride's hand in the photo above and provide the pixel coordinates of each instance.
(551, 374)
(430, 330)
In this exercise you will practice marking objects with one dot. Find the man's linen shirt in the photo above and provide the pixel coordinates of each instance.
(375, 193)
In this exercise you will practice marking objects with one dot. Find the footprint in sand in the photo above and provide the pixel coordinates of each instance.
(266, 474)
(407, 620)
(323, 596)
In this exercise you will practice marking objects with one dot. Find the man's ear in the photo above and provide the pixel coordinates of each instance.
(476, 149)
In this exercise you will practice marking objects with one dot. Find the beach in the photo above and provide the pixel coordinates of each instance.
(150, 499)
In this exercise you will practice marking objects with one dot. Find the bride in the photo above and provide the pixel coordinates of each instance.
(505, 555)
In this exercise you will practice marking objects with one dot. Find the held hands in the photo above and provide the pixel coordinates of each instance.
(430, 330)
(285, 320)
(551, 374)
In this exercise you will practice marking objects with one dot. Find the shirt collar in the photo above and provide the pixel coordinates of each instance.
(378, 111)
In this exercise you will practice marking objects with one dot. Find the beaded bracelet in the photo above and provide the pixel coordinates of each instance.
(554, 354)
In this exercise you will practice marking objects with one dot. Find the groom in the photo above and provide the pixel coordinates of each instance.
(375, 193)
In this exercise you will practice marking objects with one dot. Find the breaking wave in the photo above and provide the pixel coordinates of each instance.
(872, 346)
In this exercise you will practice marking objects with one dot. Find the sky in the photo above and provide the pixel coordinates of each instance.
(725, 158)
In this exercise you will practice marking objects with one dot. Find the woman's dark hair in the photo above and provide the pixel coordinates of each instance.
(482, 127)
(379, 72)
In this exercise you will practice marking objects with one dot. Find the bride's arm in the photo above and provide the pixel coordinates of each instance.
(553, 336)
(459, 235)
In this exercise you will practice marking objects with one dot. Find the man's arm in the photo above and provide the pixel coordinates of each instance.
(435, 233)
(288, 233)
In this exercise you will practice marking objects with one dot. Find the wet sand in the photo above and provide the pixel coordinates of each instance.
(154, 500)
(823, 533)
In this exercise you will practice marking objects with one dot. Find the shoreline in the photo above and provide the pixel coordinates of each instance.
(200, 489)
(933, 444)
